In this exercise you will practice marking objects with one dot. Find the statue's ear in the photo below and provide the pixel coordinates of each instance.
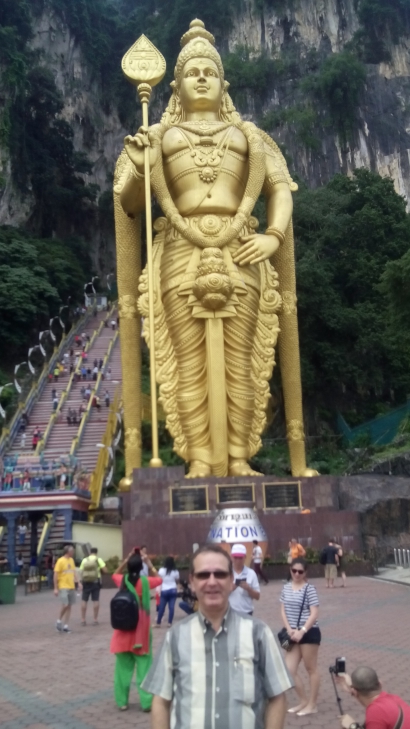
(173, 85)
(226, 85)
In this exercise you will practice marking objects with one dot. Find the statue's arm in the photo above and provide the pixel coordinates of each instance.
(132, 195)
(279, 202)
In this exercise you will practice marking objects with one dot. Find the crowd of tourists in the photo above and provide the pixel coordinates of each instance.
(218, 658)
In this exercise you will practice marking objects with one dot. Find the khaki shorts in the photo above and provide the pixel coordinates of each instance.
(67, 597)
(330, 571)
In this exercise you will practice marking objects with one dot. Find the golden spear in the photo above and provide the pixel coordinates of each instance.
(144, 66)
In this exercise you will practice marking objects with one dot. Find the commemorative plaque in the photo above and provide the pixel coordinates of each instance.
(235, 493)
(282, 495)
(188, 499)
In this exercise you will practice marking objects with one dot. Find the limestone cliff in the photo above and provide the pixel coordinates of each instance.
(380, 142)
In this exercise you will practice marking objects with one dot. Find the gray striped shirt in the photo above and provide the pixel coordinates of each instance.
(218, 680)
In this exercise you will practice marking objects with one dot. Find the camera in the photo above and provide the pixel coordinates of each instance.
(339, 667)
(239, 581)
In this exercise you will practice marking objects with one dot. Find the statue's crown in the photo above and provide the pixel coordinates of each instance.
(197, 30)
(197, 42)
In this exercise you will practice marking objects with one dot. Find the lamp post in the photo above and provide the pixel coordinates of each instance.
(2, 411)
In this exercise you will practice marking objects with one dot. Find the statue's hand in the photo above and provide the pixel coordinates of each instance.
(256, 248)
(135, 146)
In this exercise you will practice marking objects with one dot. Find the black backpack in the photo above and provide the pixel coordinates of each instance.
(124, 607)
(323, 557)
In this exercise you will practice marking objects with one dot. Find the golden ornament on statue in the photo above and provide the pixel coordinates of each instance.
(215, 293)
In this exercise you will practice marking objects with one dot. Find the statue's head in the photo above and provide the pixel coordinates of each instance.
(199, 77)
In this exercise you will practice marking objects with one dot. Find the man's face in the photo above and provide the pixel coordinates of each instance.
(238, 563)
(70, 552)
(200, 87)
(143, 551)
(212, 591)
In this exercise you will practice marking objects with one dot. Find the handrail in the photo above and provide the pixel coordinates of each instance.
(53, 417)
(97, 476)
(77, 439)
(44, 534)
(38, 386)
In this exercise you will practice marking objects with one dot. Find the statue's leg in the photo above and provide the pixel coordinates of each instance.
(239, 335)
(188, 340)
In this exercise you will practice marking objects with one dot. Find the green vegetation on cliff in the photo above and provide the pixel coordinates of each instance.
(352, 234)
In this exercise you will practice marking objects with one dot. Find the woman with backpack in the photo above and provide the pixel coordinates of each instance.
(133, 647)
(169, 592)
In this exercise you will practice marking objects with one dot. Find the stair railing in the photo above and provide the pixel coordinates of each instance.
(77, 439)
(97, 476)
(63, 397)
(37, 387)
(45, 533)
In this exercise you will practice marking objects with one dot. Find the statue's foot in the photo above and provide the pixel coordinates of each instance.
(240, 467)
(307, 473)
(198, 469)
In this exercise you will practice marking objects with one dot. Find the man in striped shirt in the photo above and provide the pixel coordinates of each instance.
(217, 669)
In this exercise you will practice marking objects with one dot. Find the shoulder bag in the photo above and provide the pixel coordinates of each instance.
(284, 638)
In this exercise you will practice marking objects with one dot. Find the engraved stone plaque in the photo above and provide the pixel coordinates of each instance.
(282, 495)
(243, 492)
(188, 499)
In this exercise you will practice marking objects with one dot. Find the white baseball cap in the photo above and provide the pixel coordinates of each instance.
(238, 550)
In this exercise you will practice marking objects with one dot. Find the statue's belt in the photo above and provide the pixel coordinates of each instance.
(212, 281)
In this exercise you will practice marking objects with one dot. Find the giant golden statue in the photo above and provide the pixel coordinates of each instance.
(222, 291)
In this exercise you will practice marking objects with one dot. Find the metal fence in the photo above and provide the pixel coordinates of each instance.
(380, 431)
(402, 557)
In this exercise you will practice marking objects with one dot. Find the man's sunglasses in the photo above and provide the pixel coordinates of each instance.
(218, 574)
(298, 572)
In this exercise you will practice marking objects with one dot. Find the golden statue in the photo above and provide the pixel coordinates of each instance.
(222, 292)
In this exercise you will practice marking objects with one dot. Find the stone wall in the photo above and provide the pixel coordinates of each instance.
(147, 517)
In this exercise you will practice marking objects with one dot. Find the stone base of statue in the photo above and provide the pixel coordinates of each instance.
(171, 514)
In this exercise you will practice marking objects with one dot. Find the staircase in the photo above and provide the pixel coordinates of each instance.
(61, 436)
(43, 408)
(94, 430)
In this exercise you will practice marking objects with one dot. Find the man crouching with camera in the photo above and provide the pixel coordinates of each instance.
(383, 710)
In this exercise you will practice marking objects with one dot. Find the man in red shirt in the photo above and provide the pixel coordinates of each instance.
(383, 710)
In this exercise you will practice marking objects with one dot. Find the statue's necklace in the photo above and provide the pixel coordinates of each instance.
(208, 161)
(203, 128)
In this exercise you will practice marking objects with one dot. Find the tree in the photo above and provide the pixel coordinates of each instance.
(348, 233)
(36, 276)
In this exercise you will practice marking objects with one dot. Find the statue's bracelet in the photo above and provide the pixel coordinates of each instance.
(137, 174)
(276, 232)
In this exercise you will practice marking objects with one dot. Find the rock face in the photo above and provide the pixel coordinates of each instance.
(381, 142)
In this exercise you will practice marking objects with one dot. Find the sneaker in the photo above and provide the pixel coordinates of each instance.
(123, 708)
(66, 629)
(59, 627)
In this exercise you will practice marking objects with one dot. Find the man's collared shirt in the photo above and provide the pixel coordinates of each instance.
(218, 680)
(239, 599)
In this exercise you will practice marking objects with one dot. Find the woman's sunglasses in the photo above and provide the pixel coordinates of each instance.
(298, 572)
(218, 574)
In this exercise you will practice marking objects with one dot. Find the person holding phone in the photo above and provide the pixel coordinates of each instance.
(246, 584)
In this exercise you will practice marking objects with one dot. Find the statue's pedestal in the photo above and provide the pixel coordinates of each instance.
(170, 513)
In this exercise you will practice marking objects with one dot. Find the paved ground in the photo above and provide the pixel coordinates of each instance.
(65, 681)
(395, 574)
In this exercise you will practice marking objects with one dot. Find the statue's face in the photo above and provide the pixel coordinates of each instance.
(200, 86)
